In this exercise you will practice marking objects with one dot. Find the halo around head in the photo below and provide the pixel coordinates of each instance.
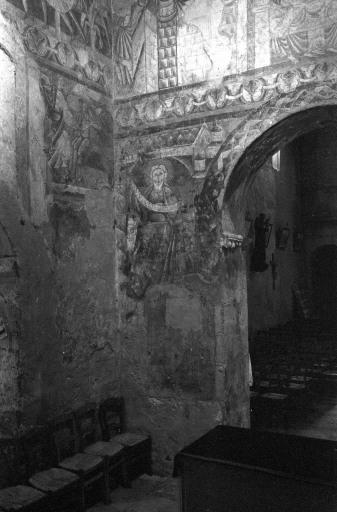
(160, 167)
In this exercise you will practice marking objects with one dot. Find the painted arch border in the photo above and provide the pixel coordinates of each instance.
(315, 104)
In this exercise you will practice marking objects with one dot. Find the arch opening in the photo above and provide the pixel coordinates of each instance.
(292, 297)
(275, 138)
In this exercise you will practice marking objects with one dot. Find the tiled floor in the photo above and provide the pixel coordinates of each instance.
(148, 494)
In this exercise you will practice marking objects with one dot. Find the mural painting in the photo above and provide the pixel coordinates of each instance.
(78, 131)
(206, 44)
(160, 226)
(173, 225)
(88, 20)
(208, 226)
(302, 28)
(129, 41)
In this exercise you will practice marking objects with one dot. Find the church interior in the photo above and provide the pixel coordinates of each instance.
(168, 255)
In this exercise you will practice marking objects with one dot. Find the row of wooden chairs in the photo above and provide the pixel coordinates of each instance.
(289, 364)
(74, 461)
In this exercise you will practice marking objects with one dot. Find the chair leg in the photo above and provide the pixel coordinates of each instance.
(82, 497)
(106, 484)
(125, 475)
(148, 466)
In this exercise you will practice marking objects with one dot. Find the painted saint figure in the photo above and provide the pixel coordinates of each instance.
(160, 194)
(303, 28)
(152, 259)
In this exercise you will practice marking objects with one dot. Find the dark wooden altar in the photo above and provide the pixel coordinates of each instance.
(241, 470)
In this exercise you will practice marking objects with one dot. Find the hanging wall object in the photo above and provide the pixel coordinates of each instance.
(273, 266)
(297, 241)
(282, 237)
(262, 231)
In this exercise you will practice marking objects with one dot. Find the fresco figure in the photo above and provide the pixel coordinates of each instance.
(331, 26)
(298, 28)
(152, 260)
(194, 59)
(126, 41)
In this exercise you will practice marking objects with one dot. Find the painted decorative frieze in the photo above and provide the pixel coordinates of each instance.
(231, 95)
(254, 124)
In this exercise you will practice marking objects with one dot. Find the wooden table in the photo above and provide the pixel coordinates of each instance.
(241, 470)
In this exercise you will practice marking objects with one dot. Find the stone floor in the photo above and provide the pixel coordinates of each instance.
(148, 494)
(316, 418)
(155, 494)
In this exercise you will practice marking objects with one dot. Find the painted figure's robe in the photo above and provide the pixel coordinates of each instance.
(303, 28)
(153, 256)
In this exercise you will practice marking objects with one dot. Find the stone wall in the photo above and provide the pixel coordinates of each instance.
(274, 193)
(60, 344)
(108, 291)
(318, 188)
(184, 359)
(182, 299)
(210, 144)
(25, 269)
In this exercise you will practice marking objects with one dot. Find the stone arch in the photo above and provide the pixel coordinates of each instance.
(274, 138)
(258, 136)
(309, 107)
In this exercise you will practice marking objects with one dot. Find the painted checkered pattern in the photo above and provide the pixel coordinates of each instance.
(167, 54)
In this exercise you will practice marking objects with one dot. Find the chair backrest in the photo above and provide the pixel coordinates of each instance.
(86, 425)
(64, 437)
(13, 468)
(38, 449)
(112, 417)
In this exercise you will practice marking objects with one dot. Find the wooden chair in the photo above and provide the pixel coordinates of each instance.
(90, 443)
(137, 446)
(91, 469)
(269, 399)
(18, 497)
(62, 487)
(23, 498)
